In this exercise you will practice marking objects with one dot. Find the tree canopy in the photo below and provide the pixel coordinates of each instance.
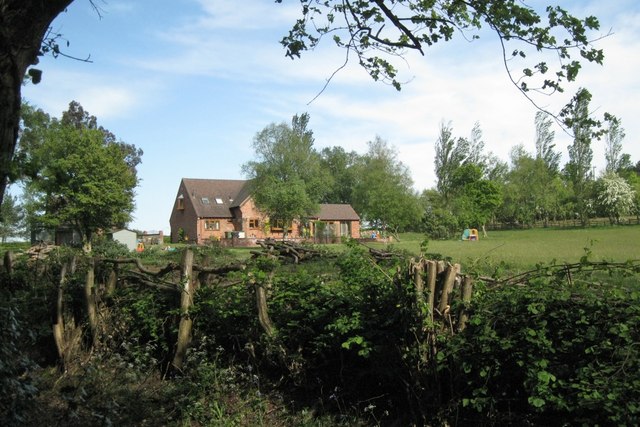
(287, 180)
(383, 193)
(80, 174)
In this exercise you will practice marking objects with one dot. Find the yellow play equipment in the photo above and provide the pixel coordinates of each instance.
(470, 234)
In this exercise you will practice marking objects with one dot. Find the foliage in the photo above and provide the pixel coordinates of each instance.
(377, 32)
(11, 218)
(17, 389)
(614, 196)
(550, 353)
(613, 147)
(80, 175)
(287, 181)
(341, 167)
(578, 169)
(383, 194)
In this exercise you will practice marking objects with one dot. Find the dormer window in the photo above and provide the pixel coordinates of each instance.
(205, 200)
(181, 202)
(219, 200)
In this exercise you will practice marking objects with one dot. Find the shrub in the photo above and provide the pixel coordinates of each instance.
(551, 354)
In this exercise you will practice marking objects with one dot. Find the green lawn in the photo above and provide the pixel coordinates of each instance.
(523, 249)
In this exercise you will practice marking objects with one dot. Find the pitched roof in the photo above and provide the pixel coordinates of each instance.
(337, 212)
(214, 198)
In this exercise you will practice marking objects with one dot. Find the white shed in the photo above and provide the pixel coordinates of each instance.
(126, 237)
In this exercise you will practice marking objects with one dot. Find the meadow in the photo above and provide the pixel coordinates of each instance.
(518, 250)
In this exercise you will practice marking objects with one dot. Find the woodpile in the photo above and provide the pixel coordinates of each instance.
(285, 251)
(40, 251)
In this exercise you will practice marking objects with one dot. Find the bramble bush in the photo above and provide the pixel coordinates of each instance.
(550, 353)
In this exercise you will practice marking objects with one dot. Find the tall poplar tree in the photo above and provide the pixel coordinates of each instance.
(578, 169)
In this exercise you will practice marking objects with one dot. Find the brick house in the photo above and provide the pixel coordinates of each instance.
(217, 209)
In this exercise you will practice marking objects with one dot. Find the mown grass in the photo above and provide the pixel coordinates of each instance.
(519, 250)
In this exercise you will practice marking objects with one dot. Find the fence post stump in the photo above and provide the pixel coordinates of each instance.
(90, 300)
(186, 301)
(261, 303)
(466, 292)
(447, 287)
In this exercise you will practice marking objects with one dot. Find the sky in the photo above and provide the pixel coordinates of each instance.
(191, 82)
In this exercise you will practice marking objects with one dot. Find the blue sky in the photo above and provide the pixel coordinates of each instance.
(192, 81)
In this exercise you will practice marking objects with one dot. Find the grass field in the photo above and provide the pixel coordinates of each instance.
(523, 249)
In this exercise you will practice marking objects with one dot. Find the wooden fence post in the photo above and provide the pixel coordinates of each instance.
(58, 313)
(90, 300)
(261, 302)
(186, 301)
(466, 292)
(432, 275)
(447, 287)
(112, 280)
(418, 269)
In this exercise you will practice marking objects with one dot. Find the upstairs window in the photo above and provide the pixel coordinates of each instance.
(254, 224)
(205, 200)
(181, 202)
(219, 200)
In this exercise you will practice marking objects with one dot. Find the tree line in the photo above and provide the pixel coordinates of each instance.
(77, 173)
(474, 187)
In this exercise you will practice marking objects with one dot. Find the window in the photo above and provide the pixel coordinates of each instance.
(254, 224)
(219, 200)
(211, 224)
(278, 225)
(205, 200)
(181, 202)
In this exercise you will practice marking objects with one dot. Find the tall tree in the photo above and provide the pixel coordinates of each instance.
(613, 147)
(578, 169)
(341, 168)
(451, 153)
(544, 142)
(80, 178)
(383, 194)
(287, 180)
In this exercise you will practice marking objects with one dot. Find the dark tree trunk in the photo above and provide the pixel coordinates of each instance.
(23, 26)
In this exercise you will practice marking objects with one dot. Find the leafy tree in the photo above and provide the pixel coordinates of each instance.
(341, 166)
(578, 169)
(452, 153)
(11, 218)
(544, 143)
(613, 148)
(614, 196)
(81, 178)
(476, 198)
(287, 180)
(383, 194)
(533, 191)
